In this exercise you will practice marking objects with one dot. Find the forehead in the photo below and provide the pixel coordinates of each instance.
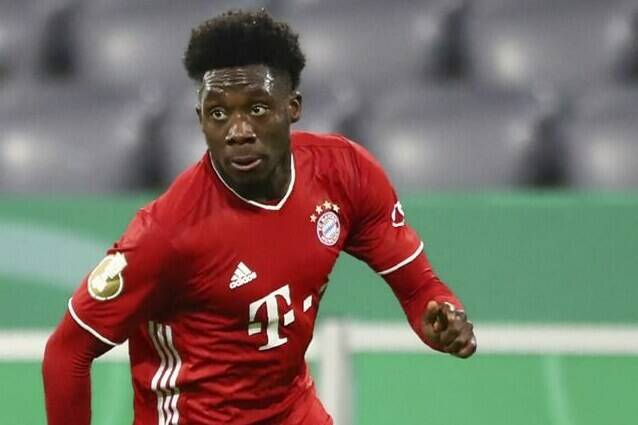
(249, 78)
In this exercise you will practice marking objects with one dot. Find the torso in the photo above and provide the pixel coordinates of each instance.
(252, 281)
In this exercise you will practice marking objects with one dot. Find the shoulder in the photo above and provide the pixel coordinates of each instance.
(326, 141)
(183, 202)
(331, 150)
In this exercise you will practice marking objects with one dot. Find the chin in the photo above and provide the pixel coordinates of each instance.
(251, 178)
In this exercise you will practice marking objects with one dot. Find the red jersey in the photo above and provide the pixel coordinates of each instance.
(218, 295)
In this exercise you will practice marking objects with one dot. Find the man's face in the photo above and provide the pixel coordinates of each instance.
(245, 113)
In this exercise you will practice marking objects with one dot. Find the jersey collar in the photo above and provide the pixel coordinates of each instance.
(276, 207)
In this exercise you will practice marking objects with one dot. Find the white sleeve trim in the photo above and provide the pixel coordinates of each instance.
(404, 262)
(87, 327)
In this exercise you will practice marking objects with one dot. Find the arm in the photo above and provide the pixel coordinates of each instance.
(432, 309)
(129, 286)
(389, 245)
(66, 373)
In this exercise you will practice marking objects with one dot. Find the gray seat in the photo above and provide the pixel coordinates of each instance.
(69, 139)
(601, 140)
(330, 108)
(564, 45)
(18, 38)
(370, 45)
(138, 44)
(455, 137)
(31, 43)
(182, 143)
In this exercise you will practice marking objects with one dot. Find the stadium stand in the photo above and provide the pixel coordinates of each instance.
(600, 144)
(131, 44)
(329, 108)
(60, 138)
(18, 41)
(455, 137)
(181, 141)
(358, 52)
(564, 45)
(369, 45)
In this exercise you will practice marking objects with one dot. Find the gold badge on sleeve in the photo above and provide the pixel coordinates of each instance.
(105, 281)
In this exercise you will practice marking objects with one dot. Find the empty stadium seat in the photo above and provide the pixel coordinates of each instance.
(65, 138)
(140, 43)
(18, 38)
(455, 137)
(182, 142)
(600, 140)
(371, 44)
(30, 40)
(563, 44)
(329, 108)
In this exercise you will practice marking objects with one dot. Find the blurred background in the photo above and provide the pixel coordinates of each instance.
(508, 126)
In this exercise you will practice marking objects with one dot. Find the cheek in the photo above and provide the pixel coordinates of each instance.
(279, 124)
(214, 136)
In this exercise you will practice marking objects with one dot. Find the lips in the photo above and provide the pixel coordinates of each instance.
(245, 162)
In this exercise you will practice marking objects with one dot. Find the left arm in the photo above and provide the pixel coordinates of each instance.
(434, 312)
(387, 243)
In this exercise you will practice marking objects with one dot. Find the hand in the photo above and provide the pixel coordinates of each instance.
(449, 330)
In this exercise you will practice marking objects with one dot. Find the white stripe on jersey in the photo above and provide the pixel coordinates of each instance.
(87, 327)
(165, 378)
(404, 262)
(173, 378)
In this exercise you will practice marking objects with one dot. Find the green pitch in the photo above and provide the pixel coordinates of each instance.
(409, 390)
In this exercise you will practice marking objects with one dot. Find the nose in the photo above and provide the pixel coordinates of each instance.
(240, 132)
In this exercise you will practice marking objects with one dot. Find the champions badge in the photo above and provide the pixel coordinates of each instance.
(105, 281)
(327, 220)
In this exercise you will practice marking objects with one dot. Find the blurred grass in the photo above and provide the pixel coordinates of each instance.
(522, 257)
(408, 389)
(533, 257)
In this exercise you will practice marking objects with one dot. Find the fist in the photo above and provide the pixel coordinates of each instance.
(448, 329)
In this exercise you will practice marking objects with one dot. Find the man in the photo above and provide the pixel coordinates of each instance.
(217, 283)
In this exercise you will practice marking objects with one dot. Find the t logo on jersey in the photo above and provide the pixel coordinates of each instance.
(398, 216)
(272, 314)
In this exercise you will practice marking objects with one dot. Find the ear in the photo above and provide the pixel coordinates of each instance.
(294, 107)
(198, 105)
(198, 111)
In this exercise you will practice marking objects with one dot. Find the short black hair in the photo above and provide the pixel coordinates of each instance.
(239, 38)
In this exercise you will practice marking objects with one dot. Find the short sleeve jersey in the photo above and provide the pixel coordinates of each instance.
(218, 295)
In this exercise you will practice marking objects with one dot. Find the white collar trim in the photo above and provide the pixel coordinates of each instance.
(279, 205)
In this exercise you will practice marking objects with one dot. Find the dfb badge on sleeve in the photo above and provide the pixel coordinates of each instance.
(105, 281)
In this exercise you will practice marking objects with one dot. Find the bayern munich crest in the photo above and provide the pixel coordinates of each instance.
(327, 220)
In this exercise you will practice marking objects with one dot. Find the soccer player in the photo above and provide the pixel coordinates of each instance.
(216, 284)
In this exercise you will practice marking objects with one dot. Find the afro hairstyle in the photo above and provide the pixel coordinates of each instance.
(239, 38)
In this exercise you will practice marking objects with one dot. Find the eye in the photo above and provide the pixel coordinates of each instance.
(258, 110)
(218, 114)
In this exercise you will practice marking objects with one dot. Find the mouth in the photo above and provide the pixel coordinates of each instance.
(246, 163)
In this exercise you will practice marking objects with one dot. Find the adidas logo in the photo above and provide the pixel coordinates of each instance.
(242, 276)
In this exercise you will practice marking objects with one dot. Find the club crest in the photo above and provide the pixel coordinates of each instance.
(105, 281)
(327, 221)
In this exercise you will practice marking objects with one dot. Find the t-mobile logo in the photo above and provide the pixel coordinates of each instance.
(272, 313)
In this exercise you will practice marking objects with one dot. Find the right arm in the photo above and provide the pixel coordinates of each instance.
(66, 372)
(129, 286)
